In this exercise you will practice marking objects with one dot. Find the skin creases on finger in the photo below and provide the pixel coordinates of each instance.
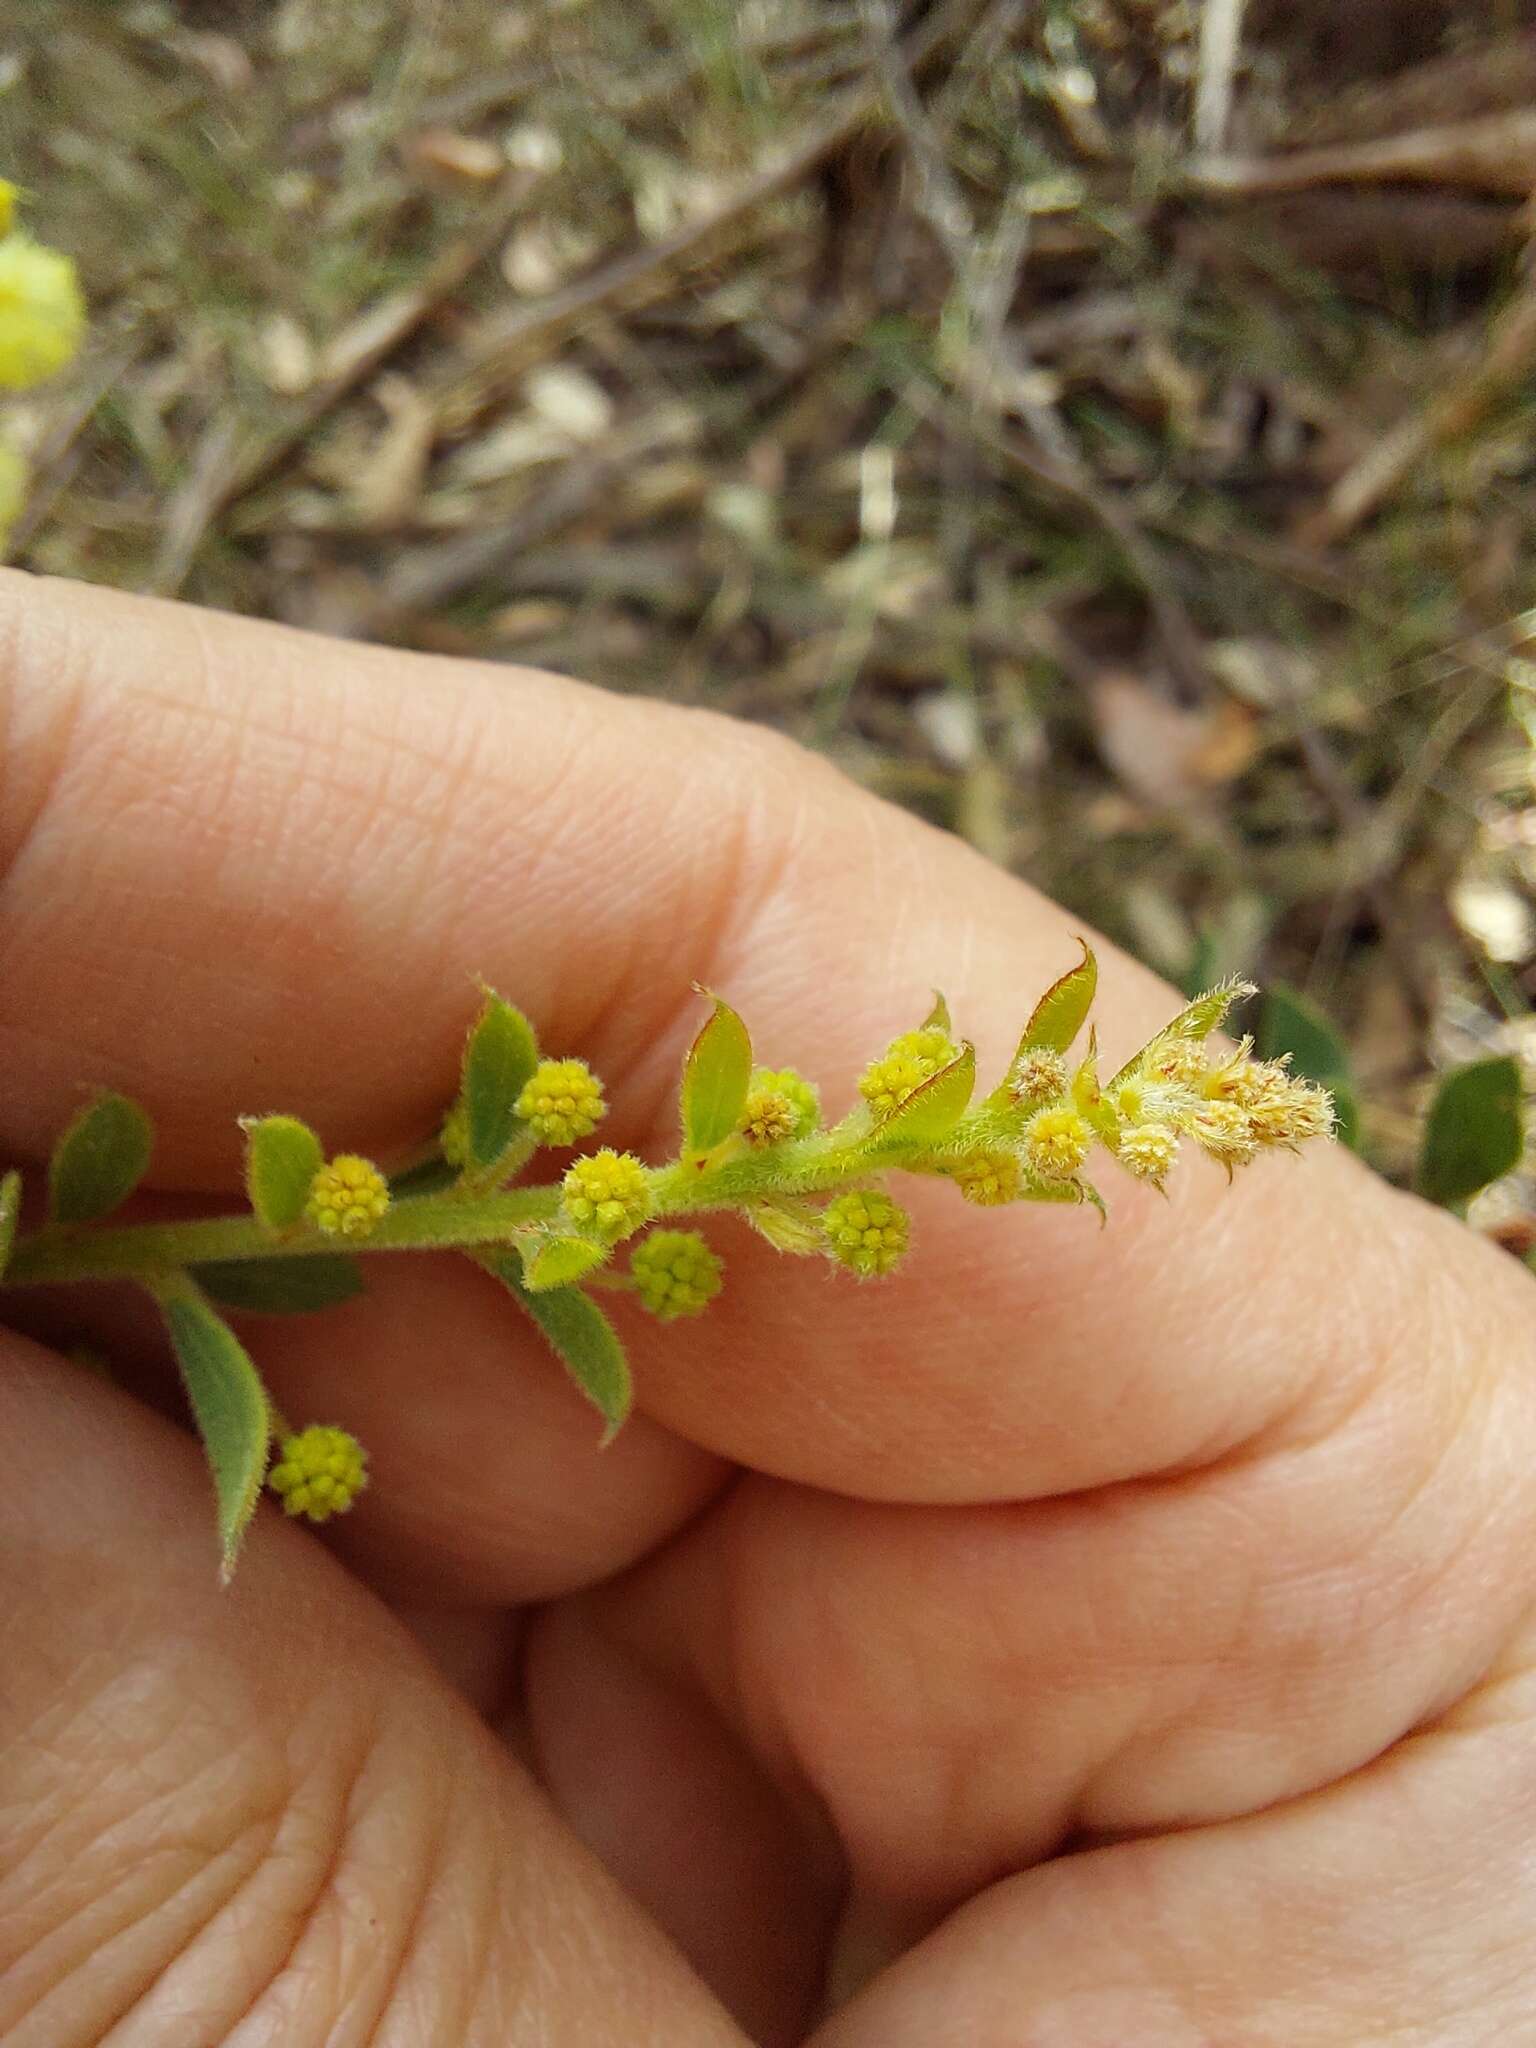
(1395, 1907)
(490, 1483)
(256, 1813)
(966, 1691)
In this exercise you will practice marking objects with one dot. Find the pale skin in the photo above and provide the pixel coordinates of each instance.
(1201, 1546)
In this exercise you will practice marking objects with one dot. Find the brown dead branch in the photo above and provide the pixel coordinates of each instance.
(1496, 154)
(505, 347)
(1451, 413)
(992, 366)
(351, 358)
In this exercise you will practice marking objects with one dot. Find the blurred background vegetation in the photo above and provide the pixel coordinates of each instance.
(1105, 426)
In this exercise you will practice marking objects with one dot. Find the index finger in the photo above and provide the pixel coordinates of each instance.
(251, 869)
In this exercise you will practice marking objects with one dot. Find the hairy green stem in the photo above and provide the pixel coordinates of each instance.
(452, 1218)
(140, 1250)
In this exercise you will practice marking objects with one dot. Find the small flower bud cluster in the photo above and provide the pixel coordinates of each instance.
(675, 1273)
(904, 1066)
(803, 1096)
(607, 1193)
(767, 1119)
(865, 1231)
(563, 1102)
(454, 1136)
(989, 1178)
(1037, 1076)
(1056, 1144)
(1148, 1151)
(319, 1473)
(781, 1104)
(347, 1197)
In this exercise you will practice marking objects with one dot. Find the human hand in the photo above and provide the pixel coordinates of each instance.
(1199, 1547)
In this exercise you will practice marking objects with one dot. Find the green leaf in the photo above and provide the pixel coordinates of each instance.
(937, 1018)
(1208, 1013)
(282, 1157)
(1475, 1133)
(1196, 1020)
(933, 1108)
(10, 1210)
(229, 1405)
(1063, 1010)
(581, 1336)
(100, 1160)
(281, 1287)
(499, 1060)
(1290, 1023)
(553, 1261)
(716, 1076)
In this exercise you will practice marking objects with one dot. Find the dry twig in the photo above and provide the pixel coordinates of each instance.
(1496, 154)
(506, 347)
(992, 365)
(1507, 357)
(1221, 28)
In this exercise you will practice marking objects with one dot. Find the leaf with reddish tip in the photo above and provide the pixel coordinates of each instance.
(1063, 1010)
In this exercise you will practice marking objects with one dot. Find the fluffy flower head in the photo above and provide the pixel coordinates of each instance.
(1056, 1143)
(1037, 1076)
(767, 1118)
(1147, 1151)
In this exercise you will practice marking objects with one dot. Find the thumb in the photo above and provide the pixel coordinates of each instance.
(258, 1813)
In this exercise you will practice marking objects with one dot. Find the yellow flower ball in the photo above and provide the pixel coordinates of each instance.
(675, 1273)
(768, 1118)
(803, 1097)
(319, 1472)
(988, 1178)
(904, 1066)
(608, 1193)
(1056, 1143)
(1225, 1131)
(454, 1136)
(1037, 1076)
(563, 1102)
(1147, 1151)
(865, 1231)
(347, 1196)
(42, 314)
